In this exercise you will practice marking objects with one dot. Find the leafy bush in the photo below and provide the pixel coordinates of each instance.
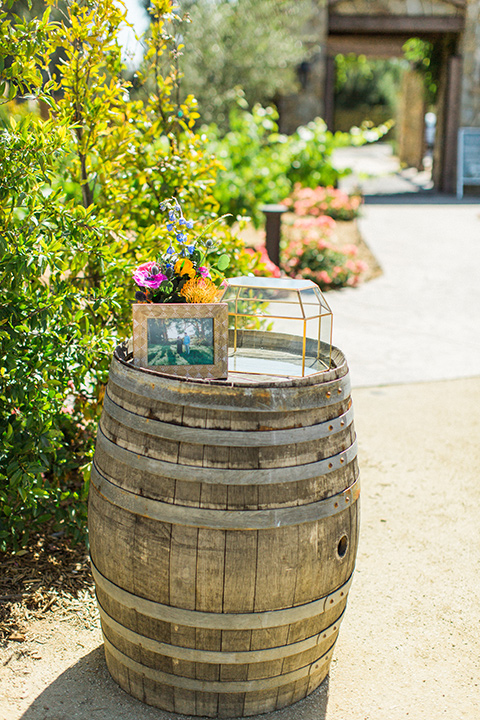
(262, 166)
(252, 44)
(56, 332)
(80, 202)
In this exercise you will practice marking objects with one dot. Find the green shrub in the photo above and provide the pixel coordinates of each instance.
(56, 332)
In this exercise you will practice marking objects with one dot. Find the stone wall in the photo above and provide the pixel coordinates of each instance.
(470, 50)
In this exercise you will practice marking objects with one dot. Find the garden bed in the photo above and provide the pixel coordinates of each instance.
(346, 234)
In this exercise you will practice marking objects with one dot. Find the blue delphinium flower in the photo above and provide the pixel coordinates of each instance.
(191, 248)
(189, 224)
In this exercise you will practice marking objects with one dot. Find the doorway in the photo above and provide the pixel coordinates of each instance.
(383, 38)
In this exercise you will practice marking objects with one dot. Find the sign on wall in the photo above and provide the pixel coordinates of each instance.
(468, 158)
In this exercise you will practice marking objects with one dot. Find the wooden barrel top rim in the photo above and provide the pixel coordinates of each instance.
(215, 686)
(260, 398)
(238, 657)
(338, 359)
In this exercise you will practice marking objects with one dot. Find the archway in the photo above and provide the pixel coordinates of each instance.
(384, 36)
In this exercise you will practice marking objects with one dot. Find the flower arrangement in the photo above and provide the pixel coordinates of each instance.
(311, 253)
(183, 272)
(324, 201)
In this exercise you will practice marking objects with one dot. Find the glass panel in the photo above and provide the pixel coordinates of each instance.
(270, 283)
(266, 353)
(318, 347)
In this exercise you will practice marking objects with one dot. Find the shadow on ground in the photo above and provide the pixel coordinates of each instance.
(85, 691)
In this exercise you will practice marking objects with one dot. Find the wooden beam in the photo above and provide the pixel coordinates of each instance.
(329, 114)
(370, 45)
(395, 24)
(452, 119)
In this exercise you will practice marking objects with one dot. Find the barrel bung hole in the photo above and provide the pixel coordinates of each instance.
(342, 546)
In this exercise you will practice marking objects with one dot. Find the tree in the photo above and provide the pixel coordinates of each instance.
(255, 45)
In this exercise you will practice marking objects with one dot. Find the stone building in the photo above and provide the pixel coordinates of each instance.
(379, 28)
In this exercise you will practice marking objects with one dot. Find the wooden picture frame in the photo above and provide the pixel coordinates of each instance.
(187, 340)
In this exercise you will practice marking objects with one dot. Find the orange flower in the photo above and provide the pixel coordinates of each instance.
(200, 290)
(183, 266)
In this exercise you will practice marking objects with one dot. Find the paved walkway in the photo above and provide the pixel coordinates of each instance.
(421, 319)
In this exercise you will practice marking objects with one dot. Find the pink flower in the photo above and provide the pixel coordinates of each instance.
(144, 278)
(154, 281)
(204, 272)
(272, 269)
(324, 277)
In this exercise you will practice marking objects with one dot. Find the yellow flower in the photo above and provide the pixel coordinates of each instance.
(200, 290)
(183, 266)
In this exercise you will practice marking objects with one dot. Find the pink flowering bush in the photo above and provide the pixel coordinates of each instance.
(311, 253)
(264, 267)
(323, 201)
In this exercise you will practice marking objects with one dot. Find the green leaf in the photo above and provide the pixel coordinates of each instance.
(223, 262)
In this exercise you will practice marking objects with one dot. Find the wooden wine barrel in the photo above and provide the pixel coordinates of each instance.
(223, 522)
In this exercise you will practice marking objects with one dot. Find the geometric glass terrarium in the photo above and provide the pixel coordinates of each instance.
(277, 326)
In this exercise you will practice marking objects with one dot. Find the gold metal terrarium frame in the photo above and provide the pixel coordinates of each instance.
(278, 326)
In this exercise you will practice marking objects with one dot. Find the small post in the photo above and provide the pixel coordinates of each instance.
(273, 217)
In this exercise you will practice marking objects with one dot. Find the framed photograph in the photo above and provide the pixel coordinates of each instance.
(188, 339)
